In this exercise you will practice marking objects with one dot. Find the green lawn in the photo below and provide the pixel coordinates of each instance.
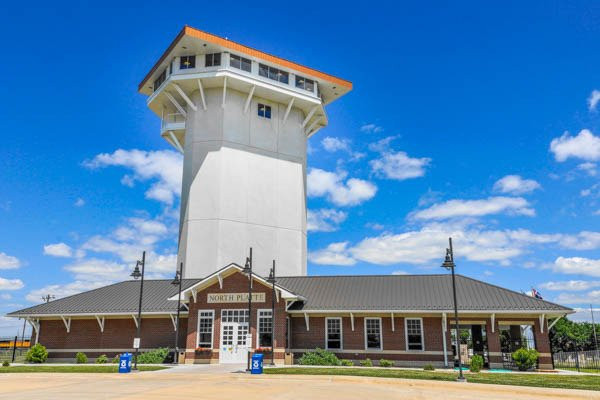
(586, 382)
(587, 370)
(73, 368)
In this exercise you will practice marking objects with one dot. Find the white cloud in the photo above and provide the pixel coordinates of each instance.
(5, 296)
(589, 168)
(399, 166)
(63, 290)
(476, 208)
(585, 146)
(333, 144)
(334, 254)
(592, 297)
(584, 240)
(572, 286)
(584, 314)
(324, 220)
(98, 270)
(371, 128)
(10, 284)
(58, 250)
(79, 202)
(9, 262)
(382, 145)
(399, 272)
(332, 186)
(577, 265)
(164, 167)
(375, 226)
(515, 184)
(593, 100)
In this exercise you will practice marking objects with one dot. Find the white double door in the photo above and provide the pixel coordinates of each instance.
(234, 337)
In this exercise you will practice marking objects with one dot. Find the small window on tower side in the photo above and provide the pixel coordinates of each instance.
(264, 111)
(187, 62)
(212, 60)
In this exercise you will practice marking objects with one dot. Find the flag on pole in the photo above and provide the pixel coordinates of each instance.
(536, 294)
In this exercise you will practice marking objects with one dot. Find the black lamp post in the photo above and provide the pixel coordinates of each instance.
(136, 274)
(272, 281)
(177, 282)
(449, 265)
(248, 271)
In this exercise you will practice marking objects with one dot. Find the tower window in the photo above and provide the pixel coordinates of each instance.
(212, 60)
(264, 111)
(273, 73)
(305, 83)
(240, 63)
(187, 62)
(161, 78)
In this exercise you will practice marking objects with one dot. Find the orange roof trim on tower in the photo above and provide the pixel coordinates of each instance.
(208, 37)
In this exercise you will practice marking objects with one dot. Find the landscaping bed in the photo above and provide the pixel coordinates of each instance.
(73, 368)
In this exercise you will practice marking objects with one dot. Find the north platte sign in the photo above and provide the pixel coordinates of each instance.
(234, 297)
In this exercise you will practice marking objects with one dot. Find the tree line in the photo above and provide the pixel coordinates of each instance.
(567, 335)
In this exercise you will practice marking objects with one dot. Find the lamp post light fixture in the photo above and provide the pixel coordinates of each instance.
(449, 265)
(272, 281)
(177, 282)
(136, 274)
(248, 271)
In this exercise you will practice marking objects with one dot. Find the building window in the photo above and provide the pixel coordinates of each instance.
(161, 78)
(373, 333)
(273, 73)
(264, 111)
(414, 333)
(334, 333)
(265, 328)
(212, 60)
(305, 83)
(187, 62)
(205, 328)
(240, 63)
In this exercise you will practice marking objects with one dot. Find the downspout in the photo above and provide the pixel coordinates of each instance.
(444, 324)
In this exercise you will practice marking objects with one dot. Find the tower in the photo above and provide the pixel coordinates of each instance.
(241, 118)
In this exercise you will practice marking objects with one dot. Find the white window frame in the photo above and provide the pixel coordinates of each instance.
(341, 333)
(422, 332)
(380, 334)
(258, 327)
(212, 331)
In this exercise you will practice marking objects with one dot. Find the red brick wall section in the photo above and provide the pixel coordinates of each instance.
(235, 283)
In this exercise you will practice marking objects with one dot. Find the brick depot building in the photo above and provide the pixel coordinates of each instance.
(405, 318)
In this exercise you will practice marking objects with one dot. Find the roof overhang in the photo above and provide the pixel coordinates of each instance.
(99, 313)
(548, 313)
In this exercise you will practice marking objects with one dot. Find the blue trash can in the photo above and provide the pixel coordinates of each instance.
(257, 364)
(125, 363)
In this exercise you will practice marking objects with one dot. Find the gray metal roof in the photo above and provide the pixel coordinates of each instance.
(408, 292)
(122, 297)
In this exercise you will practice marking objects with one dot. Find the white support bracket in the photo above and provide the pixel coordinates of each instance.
(135, 320)
(444, 322)
(393, 323)
(67, 322)
(277, 293)
(287, 111)
(175, 103)
(444, 329)
(553, 323)
(174, 320)
(309, 116)
(352, 321)
(249, 99)
(176, 142)
(220, 278)
(194, 294)
(307, 321)
(185, 97)
(312, 126)
(224, 91)
(542, 317)
(35, 325)
(100, 322)
(202, 94)
(493, 320)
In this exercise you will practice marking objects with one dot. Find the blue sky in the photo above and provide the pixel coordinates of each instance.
(478, 122)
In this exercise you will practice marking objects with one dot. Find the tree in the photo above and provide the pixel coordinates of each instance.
(567, 335)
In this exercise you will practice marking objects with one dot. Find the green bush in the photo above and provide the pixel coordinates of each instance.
(319, 357)
(6, 364)
(102, 359)
(153, 357)
(476, 363)
(346, 363)
(37, 354)
(115, 359)
(428, 367)
(386, 363)
(366, 363)
(525, 358)
(80, 358)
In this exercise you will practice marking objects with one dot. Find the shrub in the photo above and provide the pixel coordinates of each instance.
(386, 363)
(428, 367)
(102, 359)
(476, 363)
(6, 364)
(37, 354)
(366, 363)
(80, 358)
(525, 358)
(319, 357)
(346, 363)
(115, 359)
(157, 356)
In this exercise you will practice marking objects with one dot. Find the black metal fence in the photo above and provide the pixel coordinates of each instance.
(13, 349)
(509, 345)
(580, 361)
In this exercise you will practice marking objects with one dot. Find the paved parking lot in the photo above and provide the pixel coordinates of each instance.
(218, 382)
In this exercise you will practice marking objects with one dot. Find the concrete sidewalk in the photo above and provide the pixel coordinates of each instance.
(206, 382)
